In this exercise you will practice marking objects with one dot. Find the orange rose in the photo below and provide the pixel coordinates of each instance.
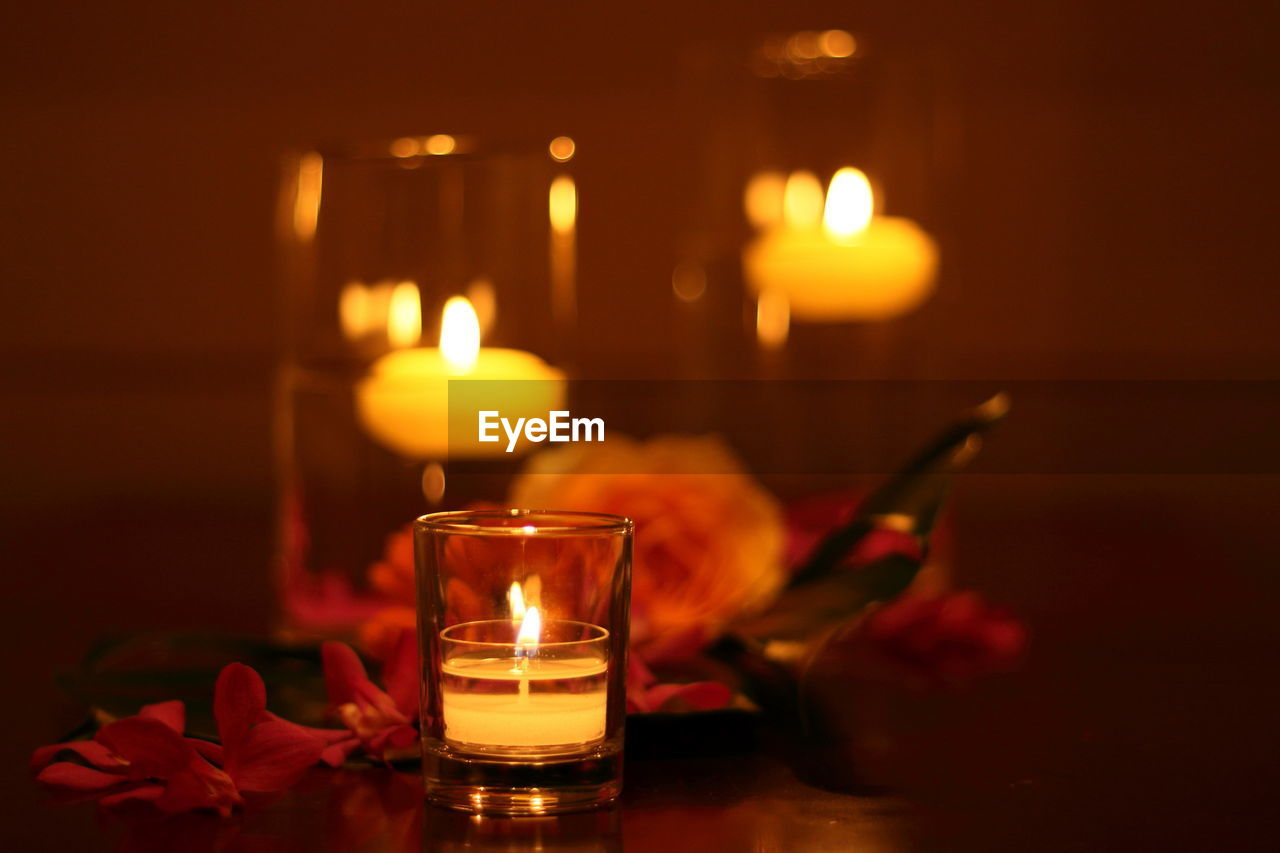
(708, 541)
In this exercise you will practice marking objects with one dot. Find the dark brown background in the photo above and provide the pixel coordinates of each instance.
(1108, 213)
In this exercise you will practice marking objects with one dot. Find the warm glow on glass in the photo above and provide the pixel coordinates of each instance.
(354, 310)
(530, 629)
(516, 599)
(688, 281)
(850, 203)
(802, 200)
(440, 143)
(433, 482)
(563, 204)
(483, 299)
(459, 334)
(804, 45)
(306, 204)
(773, 319)
(762, 199)
(837, 43)
(562, 148)
(404, 315)
(405, 146)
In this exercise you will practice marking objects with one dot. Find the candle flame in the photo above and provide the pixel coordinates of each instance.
(404, 315)
(530, 630)
(516, 598)
(802, 200)
(460, 333)
(850, 203)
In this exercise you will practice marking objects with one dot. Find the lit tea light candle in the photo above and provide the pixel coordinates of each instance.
(404, 401)
(837, 260)
(527, 696)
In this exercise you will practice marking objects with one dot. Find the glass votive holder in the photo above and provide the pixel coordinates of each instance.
(523, 622)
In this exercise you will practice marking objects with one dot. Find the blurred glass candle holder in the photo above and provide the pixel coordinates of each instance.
(407, 264)
(523, 621)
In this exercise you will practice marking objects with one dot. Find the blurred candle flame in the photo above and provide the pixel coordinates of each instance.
(802, 200)
(460, 333)
(563, 204)
(850, 203)
(404, 315)
(354, 310)
(763, 199)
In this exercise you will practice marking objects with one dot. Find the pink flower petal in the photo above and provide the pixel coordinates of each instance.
(272, 756)
(172, 713)
(77, 777)
(239, 701)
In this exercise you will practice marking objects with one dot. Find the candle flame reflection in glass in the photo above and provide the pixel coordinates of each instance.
(306, 201)
(562, 149)
(763, 199)
(773, 319)
(516, 599)
(404, 315)
(440, 143)
(802, 200)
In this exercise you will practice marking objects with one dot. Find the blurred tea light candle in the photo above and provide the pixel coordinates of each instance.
(524, 700)
(834, 261)
(404, 400)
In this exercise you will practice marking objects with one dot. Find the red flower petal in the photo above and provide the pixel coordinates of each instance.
(94, 753)
(172, 713)
(77, 777)
(272, 756)
(210, 752)
(239, 702)
(324, 735)
(401, 674)
(344, 674)
(146, 792)
(336, 754)
(700, 696)
(199, 785)
(151, 747)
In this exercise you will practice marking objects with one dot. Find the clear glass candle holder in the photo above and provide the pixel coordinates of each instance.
(523, 621)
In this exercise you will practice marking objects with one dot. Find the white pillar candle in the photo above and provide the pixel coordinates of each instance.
(552, 705)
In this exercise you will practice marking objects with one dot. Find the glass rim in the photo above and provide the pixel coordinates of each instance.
(603, 634)
(464, 146)
(466, 522)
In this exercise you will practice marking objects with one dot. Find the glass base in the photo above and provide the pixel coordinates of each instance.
(519, 786)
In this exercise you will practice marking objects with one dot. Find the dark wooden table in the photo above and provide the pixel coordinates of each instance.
(1143, 721)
